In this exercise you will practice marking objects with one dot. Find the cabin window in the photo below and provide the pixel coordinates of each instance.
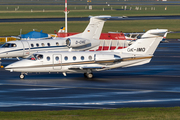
(48, 44)
(43, 44)
(37, 44)
(128, 35)
(133, 36)
(57, 43)
(90, 57)
(13, 45)
(74, 57)
(57, 58)
(82, 57)
(32, 57)
(6, 45)
(32, 45)
(39, 57)
(48, 58)
(139, 36)
(35, 57)
(65, 58)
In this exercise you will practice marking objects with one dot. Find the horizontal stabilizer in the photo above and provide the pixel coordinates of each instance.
(154, 33)
(102, 17)
(148, 43)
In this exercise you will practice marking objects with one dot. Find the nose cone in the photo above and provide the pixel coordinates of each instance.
(14, 65)
(9, 66)
(2, 53)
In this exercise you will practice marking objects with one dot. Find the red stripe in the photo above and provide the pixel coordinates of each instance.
(107, 48)
(104, 36)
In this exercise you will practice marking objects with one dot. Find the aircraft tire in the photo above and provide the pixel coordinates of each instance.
(89, 75)
(22, 76)
(85, 75)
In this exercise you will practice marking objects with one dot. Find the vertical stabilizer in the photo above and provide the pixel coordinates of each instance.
(148, 42)
(94, 28)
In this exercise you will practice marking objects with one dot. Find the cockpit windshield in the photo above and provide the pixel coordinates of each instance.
(35, 57)
(8, 45)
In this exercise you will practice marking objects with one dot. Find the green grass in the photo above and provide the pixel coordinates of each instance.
(51, 11)
(13, 29)
(75, 2)
(171, 113)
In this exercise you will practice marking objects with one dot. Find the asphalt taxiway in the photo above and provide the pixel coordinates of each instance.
(87, 18)
(156, 84)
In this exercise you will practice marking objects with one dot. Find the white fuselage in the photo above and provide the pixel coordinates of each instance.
(77, 62)
(138, 53)
(86, 40)
(25, 48)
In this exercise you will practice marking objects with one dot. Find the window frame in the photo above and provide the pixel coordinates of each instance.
(48, 44)
(42, 44)
(65, 58)
(74, 58)
(32, 45)
(37, 44)
(90, 57)
(82, 57)
(48, 57)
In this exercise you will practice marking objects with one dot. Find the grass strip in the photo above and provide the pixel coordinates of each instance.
(13, 29)
(50, 11)
(159, 113)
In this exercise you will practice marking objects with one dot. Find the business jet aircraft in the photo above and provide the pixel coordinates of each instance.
(83, 41)
(86, 62)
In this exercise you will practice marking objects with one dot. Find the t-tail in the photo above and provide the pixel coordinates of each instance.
(94, 28)
(148, 43)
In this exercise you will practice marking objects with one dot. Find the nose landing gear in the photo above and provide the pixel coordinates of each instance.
(21, 76)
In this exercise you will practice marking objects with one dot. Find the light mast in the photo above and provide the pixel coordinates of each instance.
(65, 16)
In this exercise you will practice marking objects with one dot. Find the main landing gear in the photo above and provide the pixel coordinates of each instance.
(88, 75)
(22, 75)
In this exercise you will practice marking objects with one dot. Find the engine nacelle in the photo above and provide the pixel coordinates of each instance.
(107, 58)
(78, 42)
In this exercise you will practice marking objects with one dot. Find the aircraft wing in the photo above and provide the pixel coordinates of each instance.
(85, 68)
(17, 37)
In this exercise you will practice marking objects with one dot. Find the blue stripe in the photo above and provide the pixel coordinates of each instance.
(11, 51)
(34, 48)
(48, 47)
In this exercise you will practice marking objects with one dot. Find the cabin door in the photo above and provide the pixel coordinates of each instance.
(57, 61)
(26, 50)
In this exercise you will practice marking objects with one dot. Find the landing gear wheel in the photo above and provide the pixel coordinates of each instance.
(89, 75)
(22, 76)
(85, 75)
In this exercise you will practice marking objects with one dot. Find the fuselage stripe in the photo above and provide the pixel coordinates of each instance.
(35, 48)
(85, 62)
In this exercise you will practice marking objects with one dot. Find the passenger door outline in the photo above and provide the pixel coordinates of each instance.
(26, 49)
(57, 64)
